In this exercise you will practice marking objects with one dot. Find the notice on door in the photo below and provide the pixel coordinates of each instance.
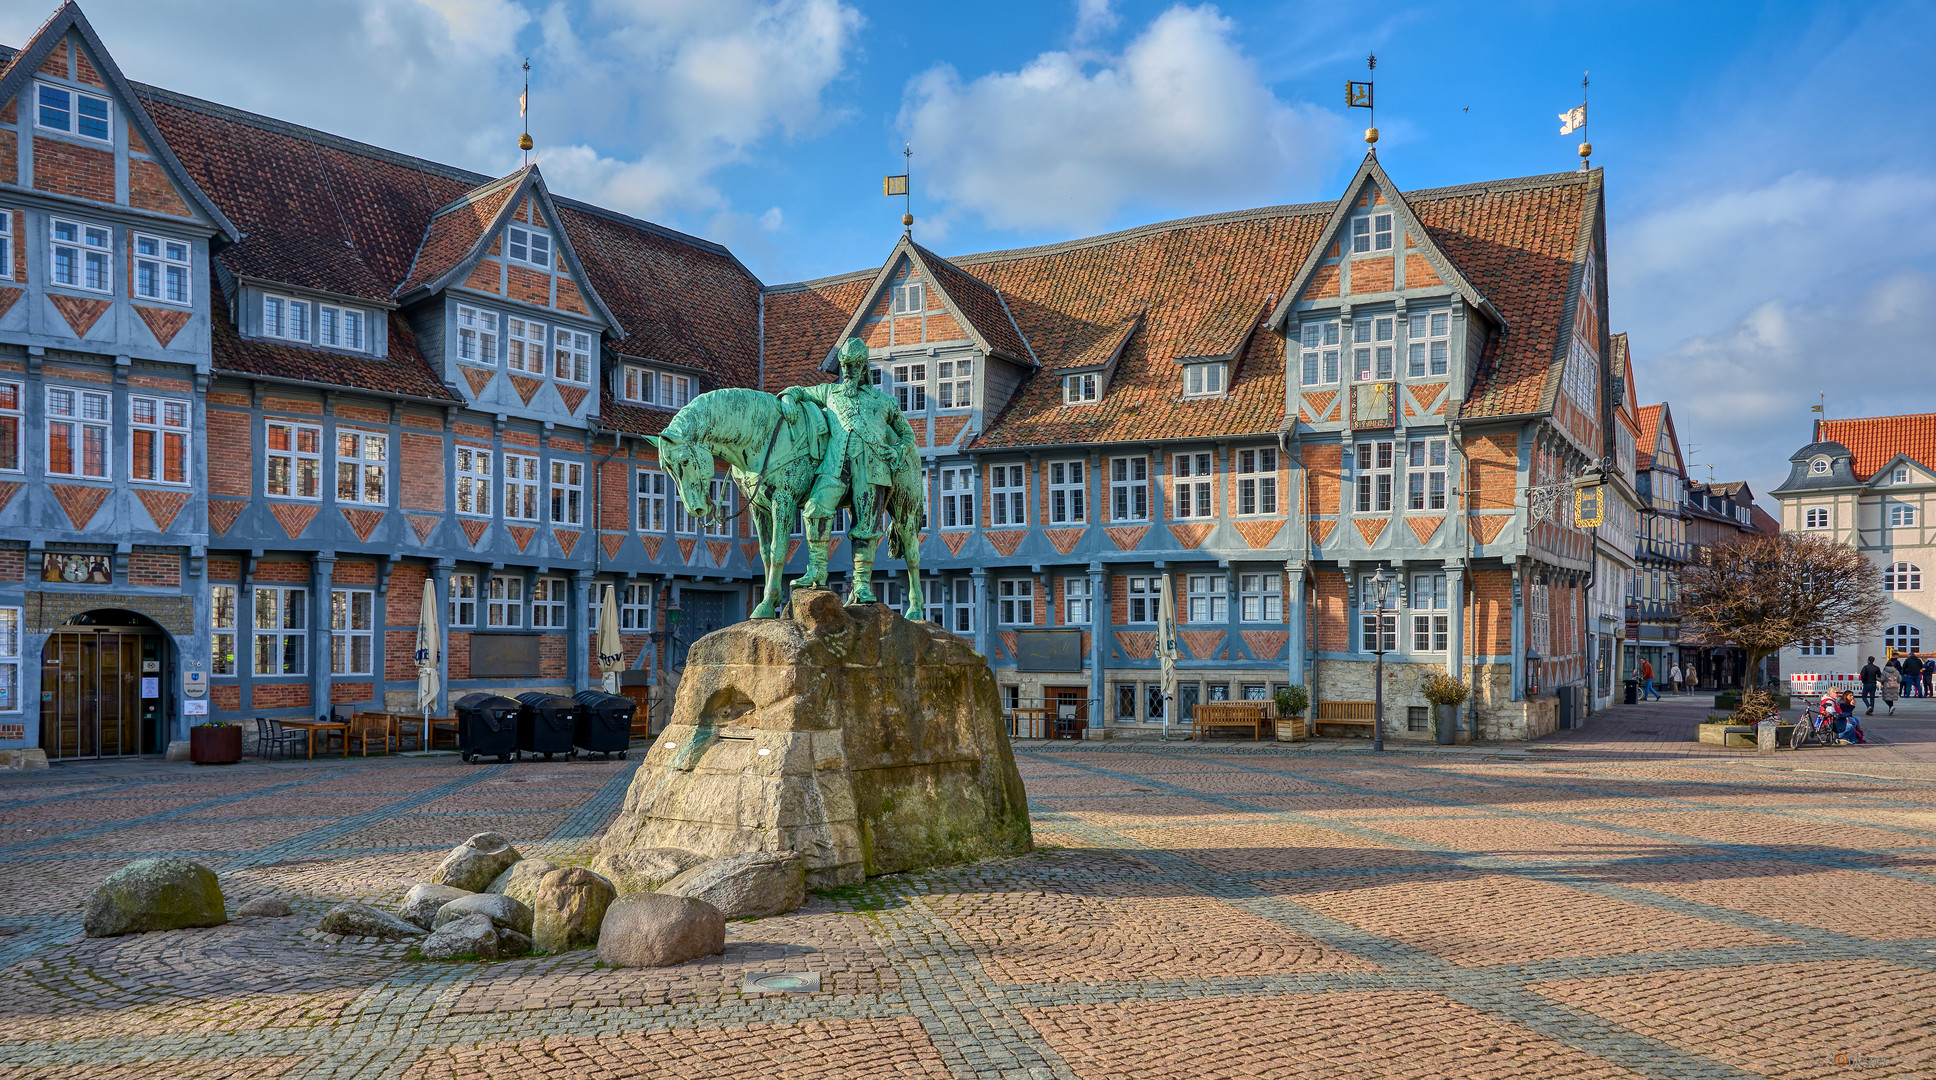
(194, 708)
(150, 686)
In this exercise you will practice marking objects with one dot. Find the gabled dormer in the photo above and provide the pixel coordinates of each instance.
(1375, 317)
(1902, 472)
(102, 232)
(502, 304)
(1087, 373)
(943, 341)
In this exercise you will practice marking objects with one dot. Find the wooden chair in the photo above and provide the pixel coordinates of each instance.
(367, 727)
(406, 729)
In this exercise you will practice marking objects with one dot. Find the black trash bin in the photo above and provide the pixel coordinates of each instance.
(1632, 695)
(546, 723)
(487, 724)
(604, 722)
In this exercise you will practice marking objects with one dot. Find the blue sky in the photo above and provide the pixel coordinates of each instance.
(1771, 180)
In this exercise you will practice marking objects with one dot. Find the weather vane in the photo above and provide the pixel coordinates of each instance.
(898, 185)
(524, 112)
(1357, 95)
(1575, 120)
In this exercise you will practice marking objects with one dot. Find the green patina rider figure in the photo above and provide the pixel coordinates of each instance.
(869, 443)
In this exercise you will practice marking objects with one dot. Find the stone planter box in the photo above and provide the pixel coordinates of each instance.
(215, 745)
(1730, 700)
(1740, 736)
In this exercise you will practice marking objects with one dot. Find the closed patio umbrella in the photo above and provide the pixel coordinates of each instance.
(611, 652)
(430, 651)
(1166, 651)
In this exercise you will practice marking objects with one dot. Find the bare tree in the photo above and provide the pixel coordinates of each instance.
(1763, 594)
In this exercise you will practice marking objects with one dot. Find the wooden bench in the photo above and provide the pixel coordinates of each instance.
(1346, 714)
(1031, 723)
(1255, 715)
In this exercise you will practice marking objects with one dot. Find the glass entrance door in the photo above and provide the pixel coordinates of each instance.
(90, 701)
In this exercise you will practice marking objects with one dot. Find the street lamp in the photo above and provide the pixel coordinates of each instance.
(1380, 592)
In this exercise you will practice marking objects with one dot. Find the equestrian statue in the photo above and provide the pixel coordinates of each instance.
(814, 451)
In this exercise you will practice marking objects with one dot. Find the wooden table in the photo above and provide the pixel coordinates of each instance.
(325, 726)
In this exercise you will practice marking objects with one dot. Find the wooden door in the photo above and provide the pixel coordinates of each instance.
(90, 685)
(1068, 709)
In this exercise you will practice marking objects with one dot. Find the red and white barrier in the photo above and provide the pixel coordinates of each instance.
(1815, 685)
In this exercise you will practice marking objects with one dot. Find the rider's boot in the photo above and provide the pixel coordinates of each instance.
(863, 590)
(819, 539)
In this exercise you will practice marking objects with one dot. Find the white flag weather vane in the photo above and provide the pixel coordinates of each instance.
(1573, 120)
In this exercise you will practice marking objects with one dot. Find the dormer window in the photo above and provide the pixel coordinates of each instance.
(1900, 476)
(529, 246)
(910, 299)
(1203, 380)
(1372, 232)
(285, 317)
(75, 112)
(342, 328)
(1819, 466)
(661, 389)
(1079, 389)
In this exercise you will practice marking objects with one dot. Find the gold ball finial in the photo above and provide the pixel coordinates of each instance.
(1371, 136)
(524, 141)
(907, 221)
(1586, 150)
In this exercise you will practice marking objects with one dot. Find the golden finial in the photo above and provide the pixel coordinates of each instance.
(1586, 150)
(524, 142)
(907, 221)
(1371, 136)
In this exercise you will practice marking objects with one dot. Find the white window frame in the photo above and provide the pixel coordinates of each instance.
(550, 601)
(1428, 344)
(1129, 489)
(169, 426)
(363, 463)
(1902, 577)
(1430, 610)
(1078, 601)
(527, 345)
(1260, 597)
(1081, 389)
(675, 391)
(222, 600)
(1371, 619)
(344, 328)
(961, 608)
(81, 428)
(724, 495)
(1193, 485)
(1903, 638)
(1015, 601)
(6, 244)
(635, 607)
(637, 384)
(282, 624)
(1373, 349)
(958, 497)
(349, 627)
(475, 480)
(287, 318)
(1318, 355)
(1371, 232)
(1206, 598)
(567, 492)
(169, 266)
(521, 483)
(1205, 380)
(649, 495)
(91, 251)
(10, 623)
(1815, 517)
(73, 111)
(1143, 604)
(1257, 482)
(504, 603)
(300, 464)
(1817, 647)
(463, 600)
(911, 386)
(477, 335)
(1372, 467)
(1008, 496)
(1068, 483)
(1425, 471)
(1900, 475)
(1902, 516)
(908, 298)
(532, 247)
(571, 354)
(954, 383)
(13, 425)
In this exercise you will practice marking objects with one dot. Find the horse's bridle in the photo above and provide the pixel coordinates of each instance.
(747, 503)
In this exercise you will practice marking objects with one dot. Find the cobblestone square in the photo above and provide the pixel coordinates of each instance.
(1193, 910)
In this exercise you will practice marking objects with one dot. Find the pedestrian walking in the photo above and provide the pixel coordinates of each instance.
(1871, 677)
(1674, 679)
(1912, 675)
(1647, 680)
(1891, 687)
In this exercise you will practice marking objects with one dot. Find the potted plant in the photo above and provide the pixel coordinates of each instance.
(1446, 694)
(215, 743)
(1291, 703)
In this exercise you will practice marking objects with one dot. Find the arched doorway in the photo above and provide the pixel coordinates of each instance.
(102, 676)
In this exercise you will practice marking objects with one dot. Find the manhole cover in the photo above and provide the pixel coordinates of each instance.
(791, 982)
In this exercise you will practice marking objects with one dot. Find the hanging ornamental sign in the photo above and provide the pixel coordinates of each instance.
(1589, 507)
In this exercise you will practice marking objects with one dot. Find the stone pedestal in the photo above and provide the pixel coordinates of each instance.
(865, 742)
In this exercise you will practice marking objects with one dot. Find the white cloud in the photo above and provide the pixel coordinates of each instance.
(1180, 120)
(634, 103)
(1094, 18)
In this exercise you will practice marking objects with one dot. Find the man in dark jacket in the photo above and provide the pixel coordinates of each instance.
(1871, 675)
(1912, 675)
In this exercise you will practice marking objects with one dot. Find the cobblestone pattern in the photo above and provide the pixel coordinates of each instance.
(1194, 911)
